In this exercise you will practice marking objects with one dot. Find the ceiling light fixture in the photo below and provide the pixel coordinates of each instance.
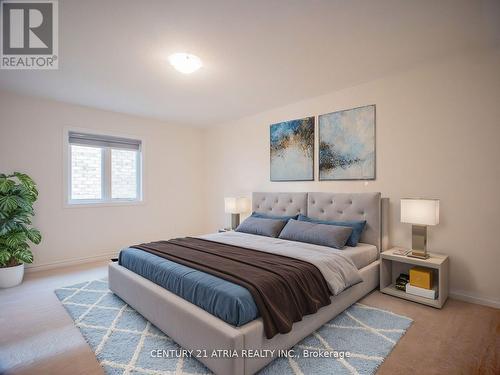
(185, 62)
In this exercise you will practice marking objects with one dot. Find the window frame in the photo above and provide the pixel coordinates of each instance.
(106, 173)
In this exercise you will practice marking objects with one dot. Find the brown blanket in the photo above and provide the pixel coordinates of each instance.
(284, 289)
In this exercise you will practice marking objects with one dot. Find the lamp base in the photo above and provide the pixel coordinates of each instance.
(419, 242)
(235, 221)
(418, 254)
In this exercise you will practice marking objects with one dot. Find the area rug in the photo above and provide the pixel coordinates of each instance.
(357, 341)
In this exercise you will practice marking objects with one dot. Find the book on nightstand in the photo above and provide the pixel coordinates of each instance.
(401, 251)
(401, 282)
(421, 292)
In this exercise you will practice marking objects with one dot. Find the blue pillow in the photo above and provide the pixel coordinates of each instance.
(319, 234)
(260, 215)
(357, 227)
(261, 226)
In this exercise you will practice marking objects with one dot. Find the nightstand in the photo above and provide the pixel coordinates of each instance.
(392, 265)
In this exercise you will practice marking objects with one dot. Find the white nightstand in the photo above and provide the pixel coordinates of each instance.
(392, 265)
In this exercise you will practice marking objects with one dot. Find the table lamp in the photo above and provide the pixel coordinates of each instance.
(236, 206)
(420, 213)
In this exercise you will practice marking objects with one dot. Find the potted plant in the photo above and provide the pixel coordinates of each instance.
(17, 194)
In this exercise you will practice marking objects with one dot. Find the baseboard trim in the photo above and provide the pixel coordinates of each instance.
(473, 299)
(71, 262)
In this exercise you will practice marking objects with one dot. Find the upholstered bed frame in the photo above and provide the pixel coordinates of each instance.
(194, 328)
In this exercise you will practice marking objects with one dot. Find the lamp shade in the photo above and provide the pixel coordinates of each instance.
(236, 205)
(420, 211)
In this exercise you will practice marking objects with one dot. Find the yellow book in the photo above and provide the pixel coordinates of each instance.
(421, 277)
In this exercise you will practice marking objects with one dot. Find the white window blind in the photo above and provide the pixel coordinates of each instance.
(103, 141)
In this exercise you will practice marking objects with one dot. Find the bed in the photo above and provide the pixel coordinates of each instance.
(197, 324)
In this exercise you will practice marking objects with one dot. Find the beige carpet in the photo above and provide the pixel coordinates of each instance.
(38, 337)
(461, 338)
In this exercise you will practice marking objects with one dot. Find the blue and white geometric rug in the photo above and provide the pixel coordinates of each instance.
(357, 341)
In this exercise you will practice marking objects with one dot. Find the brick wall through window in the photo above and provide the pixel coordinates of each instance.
(86, 172)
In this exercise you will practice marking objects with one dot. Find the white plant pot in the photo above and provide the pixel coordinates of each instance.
(11, 276)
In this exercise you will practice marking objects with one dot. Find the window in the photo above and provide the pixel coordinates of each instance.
(103, 169)
(123, 174)
(86, 172)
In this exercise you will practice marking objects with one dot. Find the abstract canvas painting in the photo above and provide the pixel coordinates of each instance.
(292, 150)
(347, 144)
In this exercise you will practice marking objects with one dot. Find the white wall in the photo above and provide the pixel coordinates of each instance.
(31, 141)
(438, 129)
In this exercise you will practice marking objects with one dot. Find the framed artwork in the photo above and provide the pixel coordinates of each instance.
(347, 144)
(292, 150)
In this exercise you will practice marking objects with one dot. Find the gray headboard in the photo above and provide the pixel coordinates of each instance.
(280, 204)
(327, 206)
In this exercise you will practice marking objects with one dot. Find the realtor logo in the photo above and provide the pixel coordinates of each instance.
(29, 37)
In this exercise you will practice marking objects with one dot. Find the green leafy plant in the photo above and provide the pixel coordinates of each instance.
(17, 194)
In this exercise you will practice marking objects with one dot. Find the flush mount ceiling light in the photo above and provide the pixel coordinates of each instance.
(185, 62)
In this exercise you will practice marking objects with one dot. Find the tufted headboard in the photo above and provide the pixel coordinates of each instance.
(349, 206)
(327, 206)
(280, 204)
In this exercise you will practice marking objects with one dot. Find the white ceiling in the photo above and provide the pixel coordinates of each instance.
(257, 54)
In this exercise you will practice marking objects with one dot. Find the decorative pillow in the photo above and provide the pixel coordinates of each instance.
(318, 234)
(266, 216)
(357, 227)
(261, 226)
